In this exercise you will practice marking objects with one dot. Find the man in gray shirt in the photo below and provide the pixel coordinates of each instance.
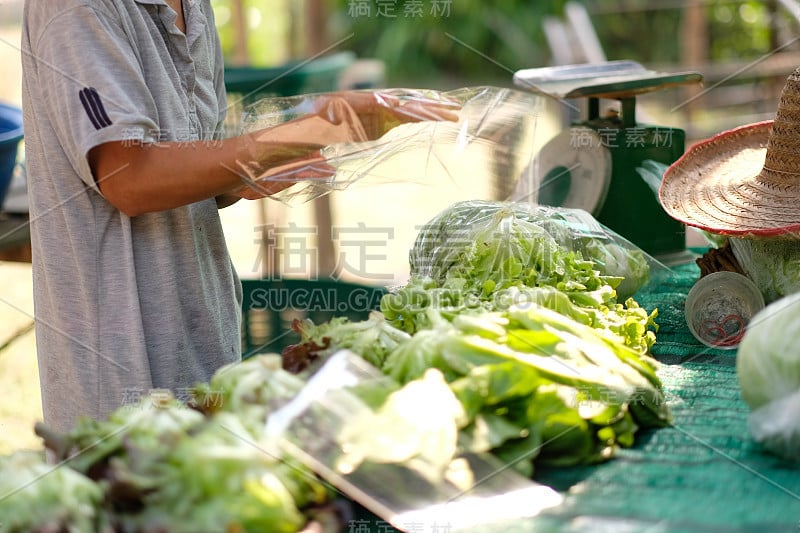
(133, 285)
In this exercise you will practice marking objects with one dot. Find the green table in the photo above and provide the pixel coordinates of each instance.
(702, 474)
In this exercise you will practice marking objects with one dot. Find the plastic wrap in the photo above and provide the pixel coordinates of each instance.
(299, 148)
(777, 426)
(395, 451)
(537, 236)
(768, 369)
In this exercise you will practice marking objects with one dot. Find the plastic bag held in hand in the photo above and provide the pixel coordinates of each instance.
(287, 149)
(364, 116)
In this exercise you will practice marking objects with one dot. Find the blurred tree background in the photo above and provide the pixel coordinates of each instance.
(442, 43)
(452, 43)
(745, 49)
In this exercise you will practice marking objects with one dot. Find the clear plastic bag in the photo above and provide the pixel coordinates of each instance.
(485, 135)
(359, 431)
(388, 136)
(536, 234)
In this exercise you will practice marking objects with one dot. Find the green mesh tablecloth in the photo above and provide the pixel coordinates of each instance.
(703, 474)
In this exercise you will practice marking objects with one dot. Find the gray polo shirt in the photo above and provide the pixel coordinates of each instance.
(123, 305)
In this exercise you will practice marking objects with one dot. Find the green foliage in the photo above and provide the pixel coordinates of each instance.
(487, 42)
(449, 43)
(738, 30)
(266, 25)
(735, 30)
(461, 39)
(640, 33)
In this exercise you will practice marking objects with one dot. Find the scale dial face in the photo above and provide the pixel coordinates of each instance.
(572, 170)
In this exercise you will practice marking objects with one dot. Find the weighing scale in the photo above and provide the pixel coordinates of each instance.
(593, 164)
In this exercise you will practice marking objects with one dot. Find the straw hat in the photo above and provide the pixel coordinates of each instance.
(743, 182)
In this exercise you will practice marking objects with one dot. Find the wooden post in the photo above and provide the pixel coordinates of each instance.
(774, 84)
(316, 15)
(241, 55)
(316, 42)
(266, 219)
(694, 49)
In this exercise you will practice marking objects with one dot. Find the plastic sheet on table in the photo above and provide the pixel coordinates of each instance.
(403, 465)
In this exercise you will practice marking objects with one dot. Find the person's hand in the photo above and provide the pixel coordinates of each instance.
(367, 115)
(349, 116)
(279, 156)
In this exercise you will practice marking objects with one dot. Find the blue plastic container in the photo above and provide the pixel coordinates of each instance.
(10, 137)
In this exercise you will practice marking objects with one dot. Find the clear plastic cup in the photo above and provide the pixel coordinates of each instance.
(719, 307)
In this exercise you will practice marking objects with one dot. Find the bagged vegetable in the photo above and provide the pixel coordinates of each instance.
(523, 377)
(163, 465)
(768, 368)
(498, 241)
(776, 426)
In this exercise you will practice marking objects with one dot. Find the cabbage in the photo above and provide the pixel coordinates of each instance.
(159, 465)
(768, 368)
(772, 264)
(38, 497)
(484, 256)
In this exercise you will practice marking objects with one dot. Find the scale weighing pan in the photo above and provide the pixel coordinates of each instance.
(612, 79)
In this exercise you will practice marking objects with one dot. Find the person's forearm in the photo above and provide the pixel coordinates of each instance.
(146, 178)
(140, 179)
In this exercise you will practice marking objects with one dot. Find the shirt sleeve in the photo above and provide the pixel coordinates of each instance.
(91, 84)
